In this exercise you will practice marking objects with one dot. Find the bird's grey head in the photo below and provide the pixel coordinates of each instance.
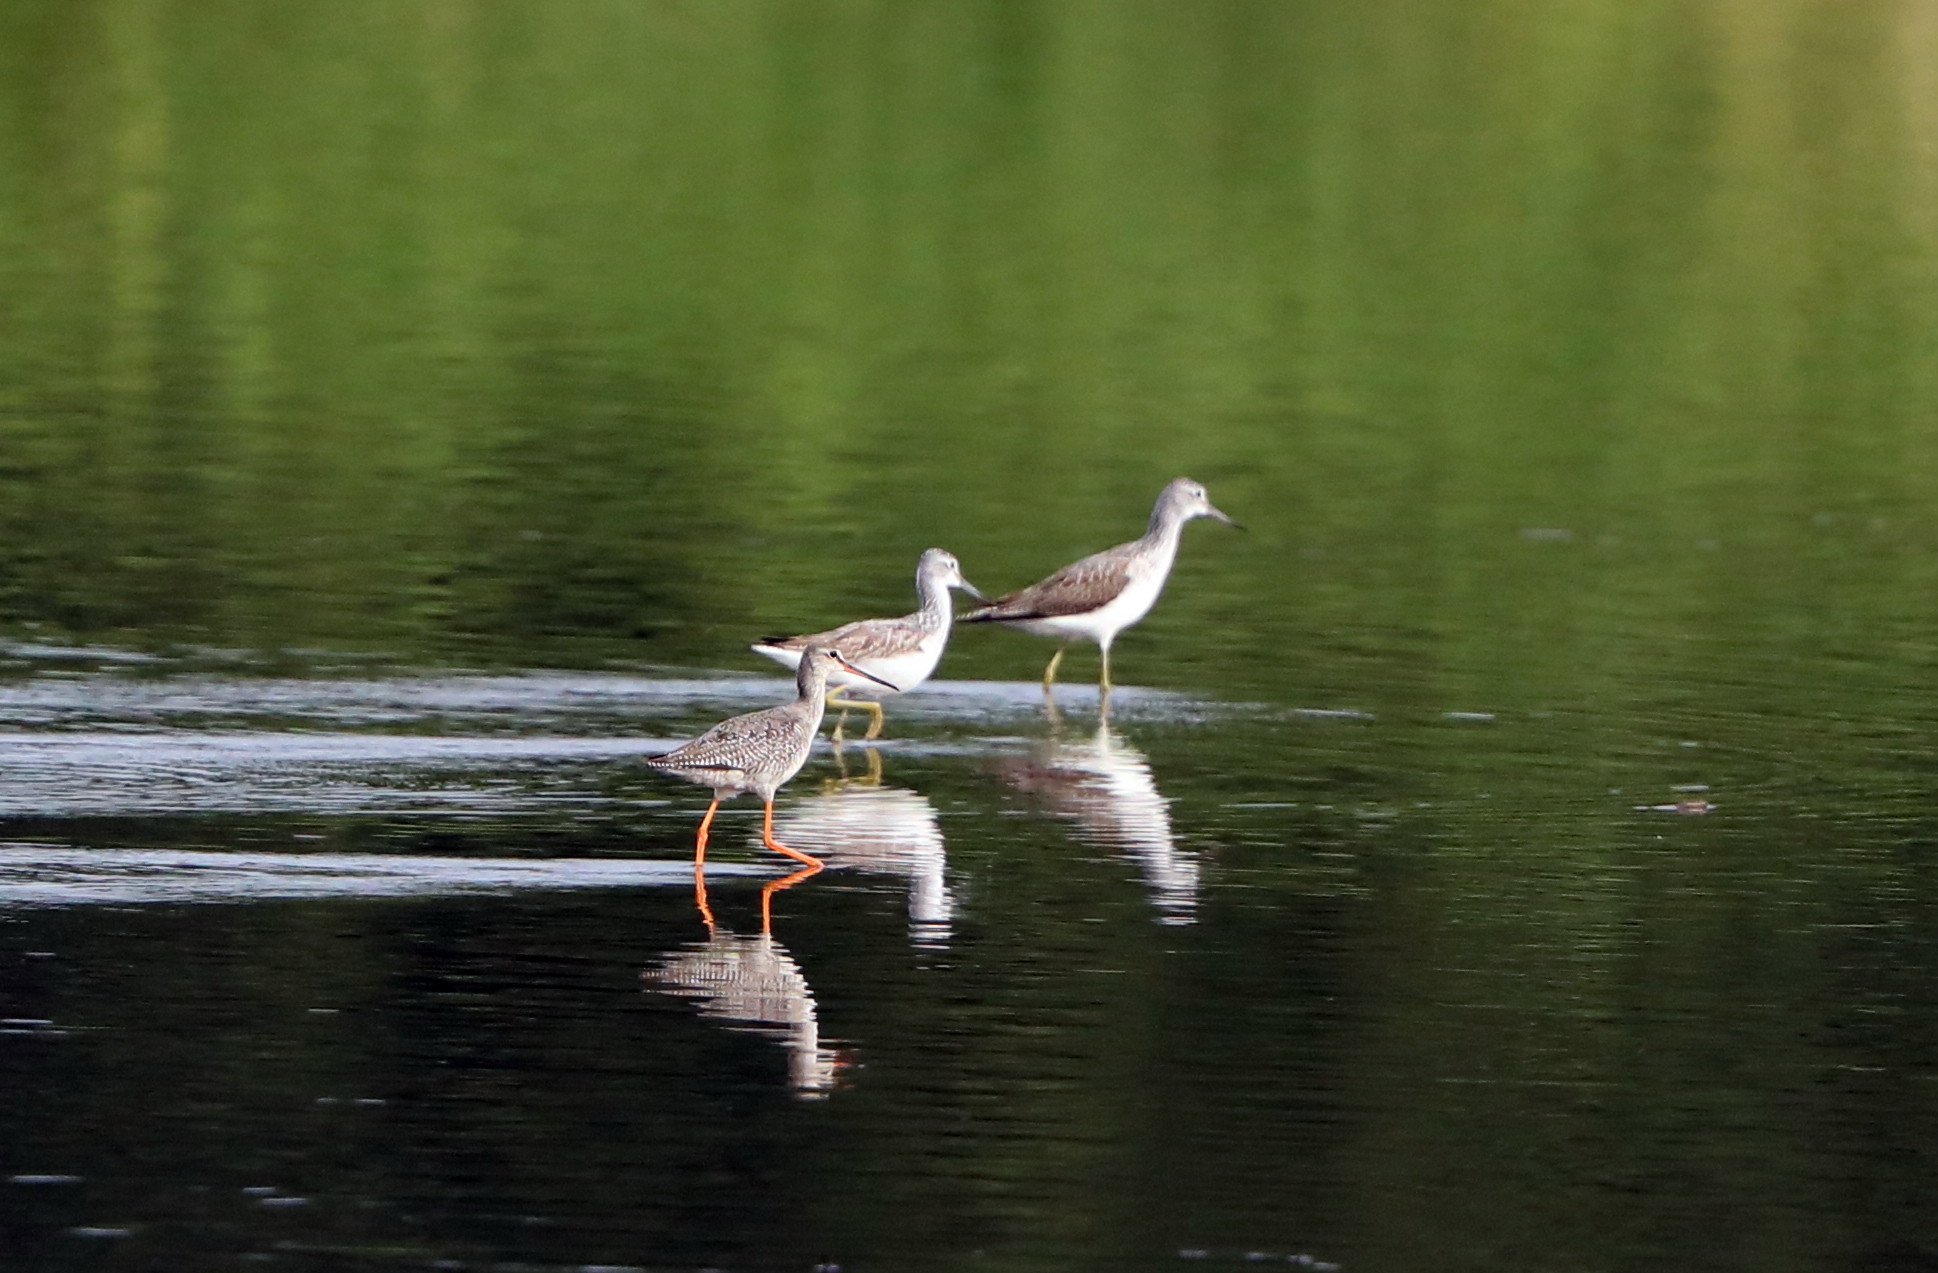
(941, 564)
(817, 661)
(1184, 499)
(815, 665)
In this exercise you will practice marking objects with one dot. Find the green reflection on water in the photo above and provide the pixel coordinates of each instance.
(486, 332)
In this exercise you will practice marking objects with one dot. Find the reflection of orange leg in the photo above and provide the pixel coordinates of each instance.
(774, 886)
(700, 844)
(700, 894)
(767, 838)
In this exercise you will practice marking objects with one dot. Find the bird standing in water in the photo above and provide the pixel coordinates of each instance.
(760, 751)
(903, 650)
(1106, 592)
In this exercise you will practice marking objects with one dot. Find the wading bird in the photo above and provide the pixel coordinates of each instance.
(760, 751)
(904, 651)
(1106, 592)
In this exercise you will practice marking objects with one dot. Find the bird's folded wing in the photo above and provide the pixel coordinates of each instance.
(859, 634)
(1079, 587)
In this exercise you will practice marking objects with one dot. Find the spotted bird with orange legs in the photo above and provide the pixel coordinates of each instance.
(760, 751)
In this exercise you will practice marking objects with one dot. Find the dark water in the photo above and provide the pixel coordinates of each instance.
(1515, 852)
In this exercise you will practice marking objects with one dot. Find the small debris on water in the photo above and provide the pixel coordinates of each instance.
(1692, 808)
(43, 1178)
(1299, 1260)
(1482, 717)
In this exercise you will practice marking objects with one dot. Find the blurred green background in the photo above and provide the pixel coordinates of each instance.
(1540, 335)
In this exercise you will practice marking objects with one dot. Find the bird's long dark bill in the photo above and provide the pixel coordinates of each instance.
(973, 590)
(1228, 520)
(870, 675)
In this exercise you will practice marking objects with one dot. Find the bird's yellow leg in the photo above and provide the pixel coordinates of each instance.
(767, 838)
(1103, 682)
(873, 709)
(774, 886)
(700, 841)
(1049, 673)
(873, 778)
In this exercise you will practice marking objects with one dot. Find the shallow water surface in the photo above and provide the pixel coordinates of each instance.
(391, 973)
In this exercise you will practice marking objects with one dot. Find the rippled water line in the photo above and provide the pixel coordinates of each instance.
(65, 774)
(179, 772)
(58, 875)
(45, 699)
(143, 751)
(539, 692)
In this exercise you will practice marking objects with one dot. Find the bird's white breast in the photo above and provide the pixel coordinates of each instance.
(904, 670)
(1133, 602)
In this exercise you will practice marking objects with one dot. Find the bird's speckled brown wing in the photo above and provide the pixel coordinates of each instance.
(749, 743)
(861, 640)
(1078, 588)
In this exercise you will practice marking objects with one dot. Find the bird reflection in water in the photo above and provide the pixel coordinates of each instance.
(883, 830)
(751, 983)
(1105, 785)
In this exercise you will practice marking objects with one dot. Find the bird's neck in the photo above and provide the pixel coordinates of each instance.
(813, 704)
(811, 684)
(1164, 528)
(936, 610)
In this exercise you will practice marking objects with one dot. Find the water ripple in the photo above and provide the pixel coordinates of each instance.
(57, 875)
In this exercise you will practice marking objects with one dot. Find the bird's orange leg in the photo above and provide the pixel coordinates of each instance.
(767, 838)
(700, 843)
(700, 894)
(774, 886)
